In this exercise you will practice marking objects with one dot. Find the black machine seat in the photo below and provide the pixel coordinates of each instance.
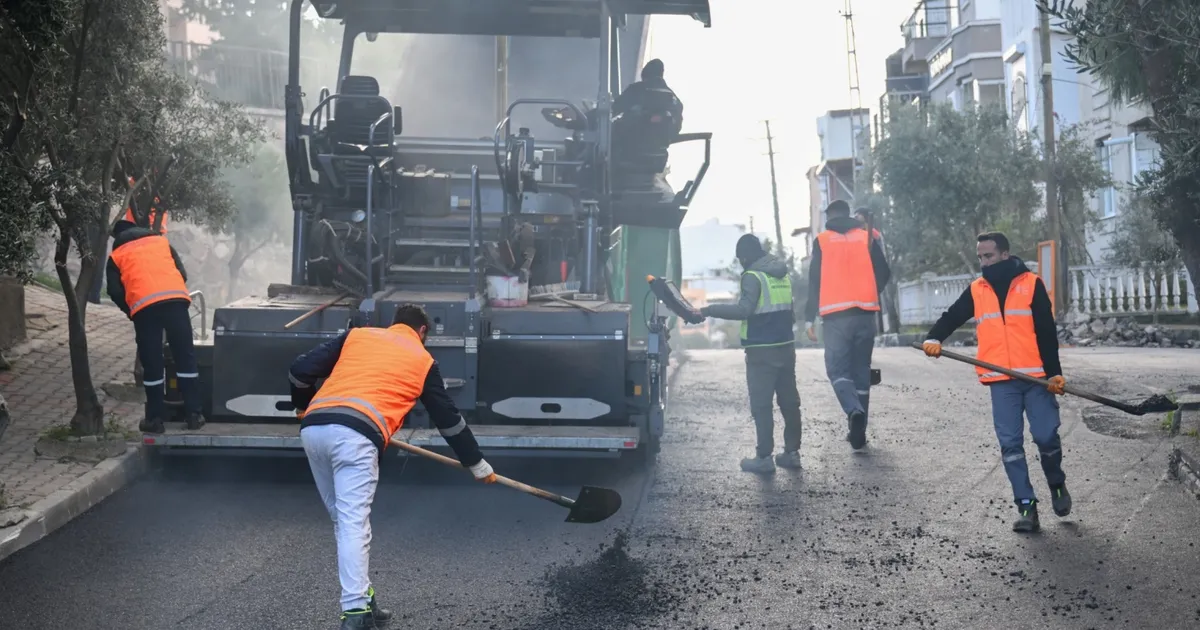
(648, 201)
(353, 118)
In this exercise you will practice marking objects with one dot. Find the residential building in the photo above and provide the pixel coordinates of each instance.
(845, 141)
(902, 87)
(1118, 129)
(966, 67)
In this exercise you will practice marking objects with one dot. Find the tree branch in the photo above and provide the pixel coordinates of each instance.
(77, 80)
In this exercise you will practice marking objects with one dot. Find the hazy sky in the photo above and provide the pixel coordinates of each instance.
(779, 59)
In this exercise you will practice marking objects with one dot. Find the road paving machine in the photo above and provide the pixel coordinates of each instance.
(575, 365)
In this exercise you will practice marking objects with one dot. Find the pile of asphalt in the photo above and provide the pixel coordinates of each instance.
(613, 590)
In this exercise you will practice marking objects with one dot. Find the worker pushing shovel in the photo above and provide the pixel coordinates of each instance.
(1015, 325)
(373, 378)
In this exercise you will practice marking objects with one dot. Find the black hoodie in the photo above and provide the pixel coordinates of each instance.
(883, 273)
(1000, 275)
(116, 288)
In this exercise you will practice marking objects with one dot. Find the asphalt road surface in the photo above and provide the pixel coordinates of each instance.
(915, 534)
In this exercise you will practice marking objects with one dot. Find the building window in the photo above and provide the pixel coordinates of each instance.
(991, 94)
(966, 95)
(1145, 154)
(1107, 196)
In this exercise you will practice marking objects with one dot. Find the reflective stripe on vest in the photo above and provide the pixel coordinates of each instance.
(148, 272)
(773, 318)
(1008, 340)
(847, 275)
(380, 374)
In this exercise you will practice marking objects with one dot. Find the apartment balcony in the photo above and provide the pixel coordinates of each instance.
(930, 23)
(252, 77)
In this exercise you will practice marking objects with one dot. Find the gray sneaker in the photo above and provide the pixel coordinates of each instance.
(760, 465)
(788, 459)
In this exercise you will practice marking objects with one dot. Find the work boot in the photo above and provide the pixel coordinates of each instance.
(1060, 499)
(358, 619)
(760, 465)
(382, 615)
(858, 430)
(788, 459)
(1027, 521)
(152, 425)
(194, 421)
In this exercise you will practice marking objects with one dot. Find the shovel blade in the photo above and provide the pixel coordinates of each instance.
(594, 505)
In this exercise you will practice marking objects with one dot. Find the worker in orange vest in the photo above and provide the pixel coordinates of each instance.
(147, 281)
(1015, 324)
(847, 270)
(373, 378)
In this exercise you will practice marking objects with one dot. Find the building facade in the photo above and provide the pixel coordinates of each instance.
(845, 141)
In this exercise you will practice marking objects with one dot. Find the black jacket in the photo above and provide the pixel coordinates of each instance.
(963, 310)
(116, 288)
(318, 363)
(883, 272)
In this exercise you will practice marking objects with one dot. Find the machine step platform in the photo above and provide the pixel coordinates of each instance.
(287, 436)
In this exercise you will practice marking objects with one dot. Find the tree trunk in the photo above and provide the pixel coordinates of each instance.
(89, 413)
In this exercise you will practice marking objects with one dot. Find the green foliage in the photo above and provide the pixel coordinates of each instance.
(1079, 175)
(1138, 238)
(263, 207)
(1149, 52)
(92, 105)
(949, 176)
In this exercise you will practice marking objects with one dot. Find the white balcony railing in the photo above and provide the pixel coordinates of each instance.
(1100, 290)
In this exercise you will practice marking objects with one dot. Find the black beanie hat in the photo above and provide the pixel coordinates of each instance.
(749, 248)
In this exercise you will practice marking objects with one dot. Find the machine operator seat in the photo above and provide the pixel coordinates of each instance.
(352, 118)
(349, 131)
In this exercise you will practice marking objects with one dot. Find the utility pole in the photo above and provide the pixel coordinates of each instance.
(502, 46)
(1052, 213)
(774, 192)
(855, 95)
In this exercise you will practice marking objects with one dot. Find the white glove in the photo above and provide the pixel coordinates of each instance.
(483, 472)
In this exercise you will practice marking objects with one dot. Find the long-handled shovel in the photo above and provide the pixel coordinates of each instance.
(592, 506)
(1153, 404)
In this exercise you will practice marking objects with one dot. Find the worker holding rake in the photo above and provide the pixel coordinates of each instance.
(373, 378)
(1015, 325)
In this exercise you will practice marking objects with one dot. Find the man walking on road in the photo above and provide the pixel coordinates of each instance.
(147, 281)
(374, 377)
(1014, 321)
(846, 273)
(765, 309)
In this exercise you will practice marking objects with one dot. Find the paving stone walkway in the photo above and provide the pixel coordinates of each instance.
(40, 395)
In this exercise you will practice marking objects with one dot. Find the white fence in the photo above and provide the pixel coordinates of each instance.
(1099, 290)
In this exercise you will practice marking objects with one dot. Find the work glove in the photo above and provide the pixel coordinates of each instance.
(810, 331)
(1058, 385)
(932, 348)
(483, 472)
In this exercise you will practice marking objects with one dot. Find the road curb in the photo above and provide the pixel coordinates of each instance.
(1185, 468)
(77, 497)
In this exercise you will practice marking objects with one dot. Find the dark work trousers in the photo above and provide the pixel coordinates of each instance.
(149, 324)
(849, 343)
(771, 374)
(1012, 402)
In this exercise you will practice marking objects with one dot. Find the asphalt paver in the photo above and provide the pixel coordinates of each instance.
(916, 533)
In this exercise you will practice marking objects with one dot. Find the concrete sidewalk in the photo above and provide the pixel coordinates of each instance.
(43, 494)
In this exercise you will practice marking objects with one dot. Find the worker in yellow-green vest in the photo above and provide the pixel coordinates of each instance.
(768, 335)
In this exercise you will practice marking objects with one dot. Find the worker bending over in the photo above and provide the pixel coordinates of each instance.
(846, 273)
(374, 377)
(765, 309)
(147, 281)
(1015, 325)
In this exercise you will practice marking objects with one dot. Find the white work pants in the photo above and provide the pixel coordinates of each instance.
(345, 465)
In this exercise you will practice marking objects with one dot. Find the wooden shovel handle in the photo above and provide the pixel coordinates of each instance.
(511, 483)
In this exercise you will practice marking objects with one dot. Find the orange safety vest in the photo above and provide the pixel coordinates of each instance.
(1007, 339)
(847, 275)
(148, 272)
(380, 374)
